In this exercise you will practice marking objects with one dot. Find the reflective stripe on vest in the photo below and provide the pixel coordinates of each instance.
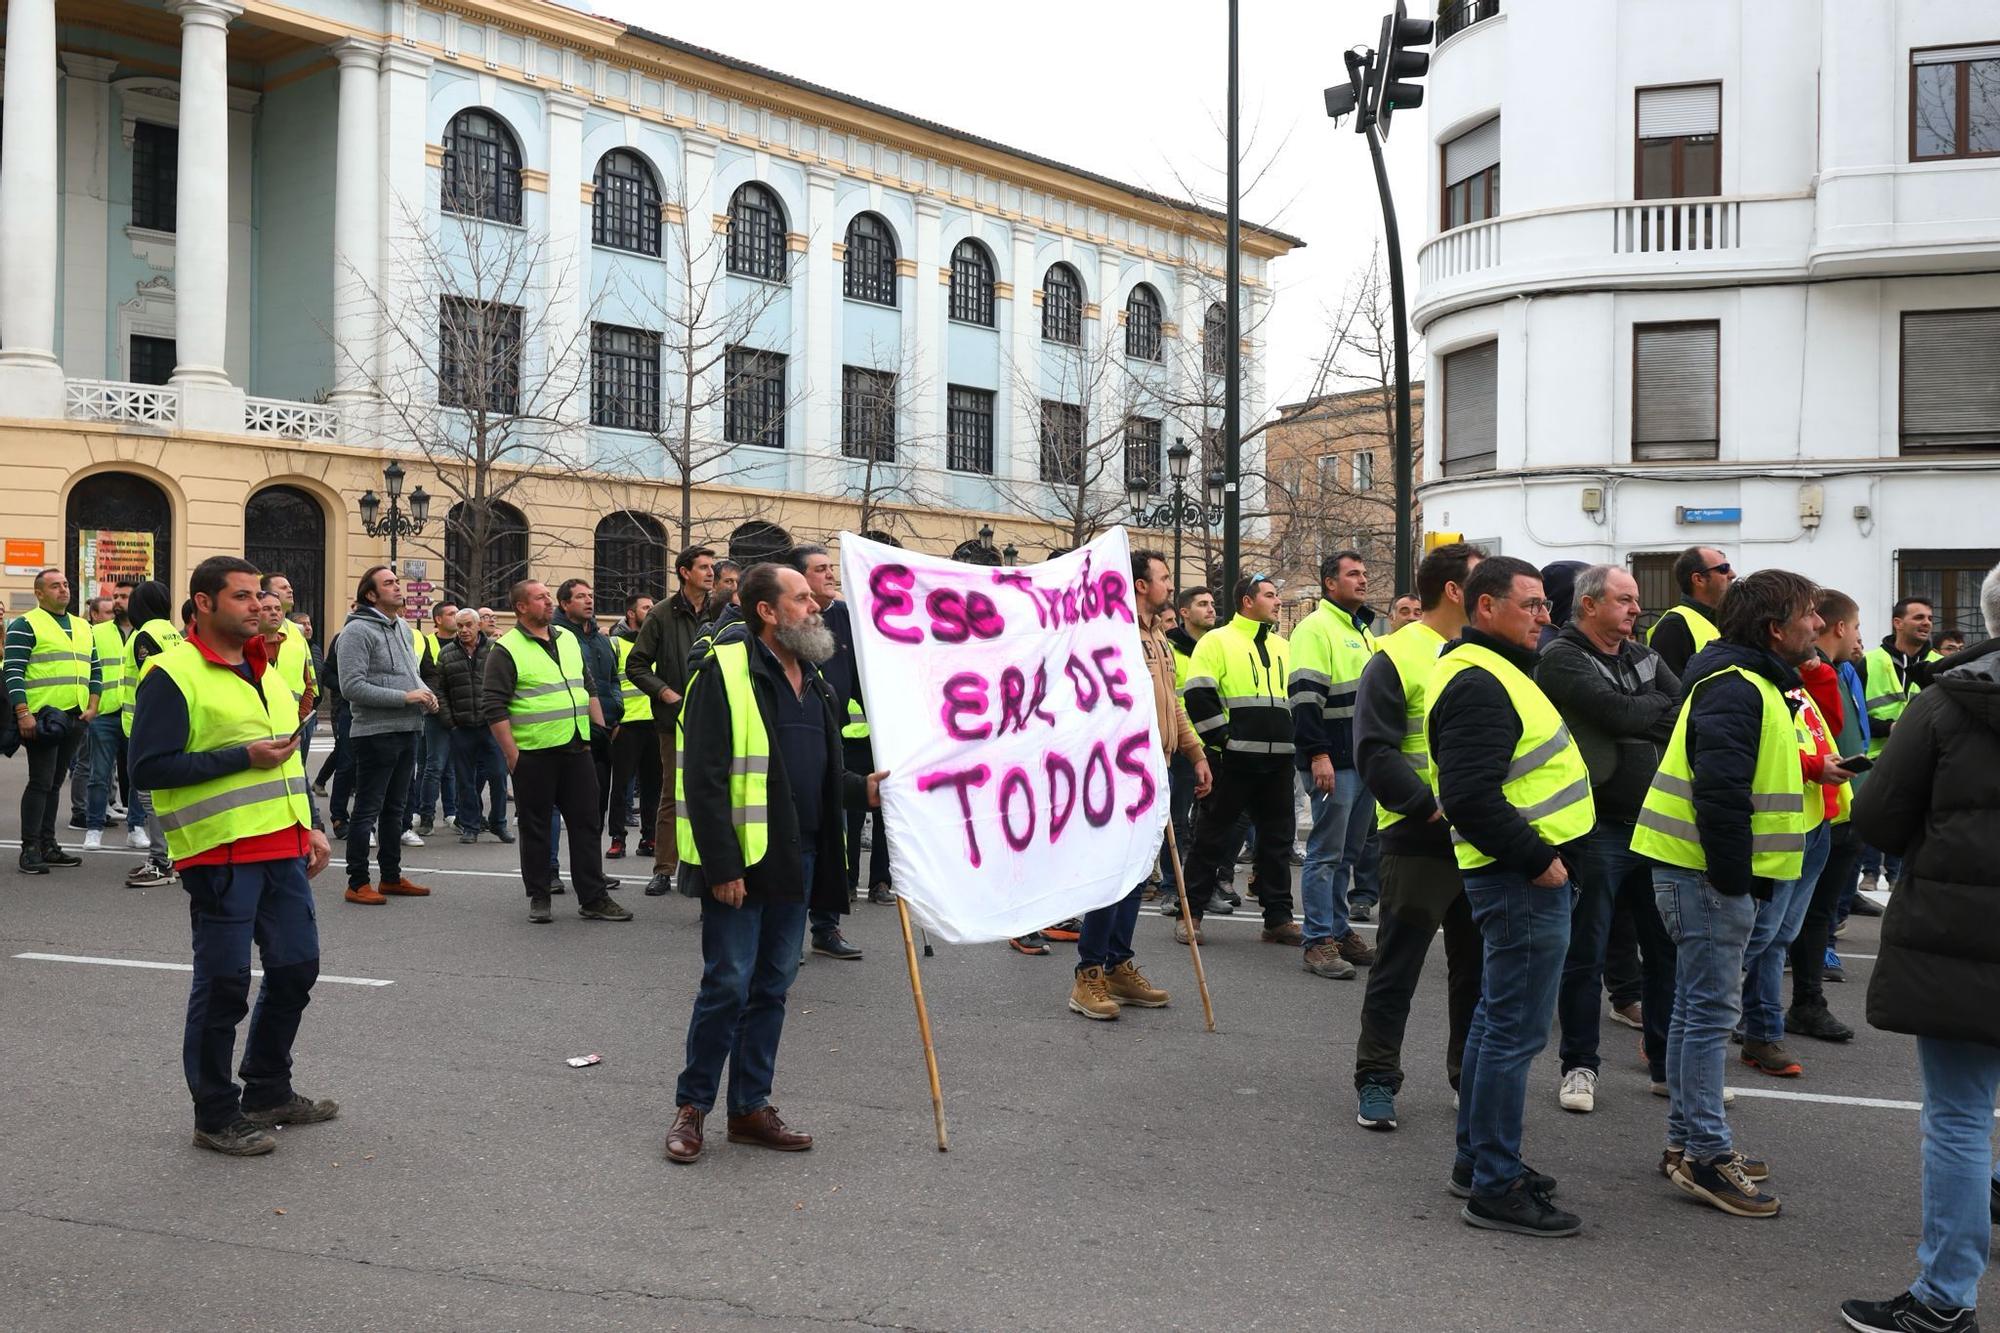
(638, 705)
(110, 647)
(1547, 782)
(225, 711)
(857, 722)
(1413, 650)
(58, 672)
(1815, 802)
(550, 705)
(749, 763)
(1888, 695)
(1255, 693)
(164, 636)
(1330, 651)
(1700, 628)
(1666, 828)
(293, 661)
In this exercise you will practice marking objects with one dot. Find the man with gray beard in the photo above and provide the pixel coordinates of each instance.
(762, 790)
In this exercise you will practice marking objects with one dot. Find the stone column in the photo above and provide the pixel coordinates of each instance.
(1018, 451)
(30, 377)
(201, 242)
(86, 217)
(406, 197)
(925, 335)
(357, 207)
(565, 349)
(708, 244)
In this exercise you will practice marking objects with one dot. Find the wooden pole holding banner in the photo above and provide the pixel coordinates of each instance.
(923, 1025)
(1187, 919)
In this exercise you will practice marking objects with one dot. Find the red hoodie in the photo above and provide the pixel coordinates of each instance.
(1822, 683)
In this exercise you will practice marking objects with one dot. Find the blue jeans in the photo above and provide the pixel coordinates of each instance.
(477, 766)
(434, 775)
(1778, 922)
(1340, 825)
(1873, 862)
(230, 907)
(1106, 938)
(1960, 1081)
(1525, 930)
(101, 743)
(1367, 886)
(749, 956)
(1710, 931)
(1608, 873)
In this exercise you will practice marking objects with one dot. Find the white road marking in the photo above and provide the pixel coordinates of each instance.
(1879, 1103)
(178, 967)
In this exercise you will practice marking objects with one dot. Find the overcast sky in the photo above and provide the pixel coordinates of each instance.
(1133, 91)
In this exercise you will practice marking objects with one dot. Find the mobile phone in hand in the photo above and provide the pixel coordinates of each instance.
(1860, 763)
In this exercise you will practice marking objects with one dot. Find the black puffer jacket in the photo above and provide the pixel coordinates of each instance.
(1474, 731)
(1725, 725)
(459, 676)
(1934, 799)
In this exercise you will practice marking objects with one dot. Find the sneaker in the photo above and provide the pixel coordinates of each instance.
(1631, 1015)
(616, 852)
(148, 876)
(1360, 912)
(1660, 1090)
(646, 847)
(1182, 929)
(1834, 970)
(1869, 882)
(76, 819)
(882, 895)
(411, 838)
(1579, 1090)
(138, 838)
(1170, 905)
(1285, 932)
(1355, 950)
(605, 908)
(1460, 1183)
(1523, 1210)
(1839, 928)
(1816, 1020)
(1089, 996)
(240, 1139)
(1031, 944)
(340, 830)
(1907, 1314)
(659, 886)
(1064, 932)
(833, 944)
(1222, 904)
(1725, 1184)
(1753, 1169)
(1128, 985)
(55, 854)
(1377, 1108)
(426, 826)
(1323, 960)
(117, 810)
(556, 884)
(1864, 907)
(539, 911)
(1770, 1057)
(468, 836)
(503, 834)
(319, 789)
(31, 863)
(298, 1111)
(93, 840)
(362, 893)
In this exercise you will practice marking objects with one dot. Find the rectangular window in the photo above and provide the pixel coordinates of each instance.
(1472, 176)
(624, 378)
(1062, 443)
(1679, 150)
(1950, 390)
(1653, 571)
(156, 155)
(1142, 453)
(1471, 409)
(1951, 580)
(1364, 471)
(970, 448)
(867, 414)
(1955, 102)
(479, 355)
(753, 398)
(1676, 391)
(152, 359)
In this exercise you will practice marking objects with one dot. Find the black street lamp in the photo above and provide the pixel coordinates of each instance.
(1179, 509)
(395, 524)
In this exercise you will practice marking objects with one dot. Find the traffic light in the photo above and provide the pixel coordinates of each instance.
(1391, 75)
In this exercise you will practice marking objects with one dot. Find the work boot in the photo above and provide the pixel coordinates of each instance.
(362, 893)
(1323, 960)
(604, 909)
(1089, 997)
(1128, 985)
(882, 895)
(1816, 1020)
(1182, 928)
(239, 1139)
(1285, 932)
(1355, 950)
(1770, 1057)
(298, 1111)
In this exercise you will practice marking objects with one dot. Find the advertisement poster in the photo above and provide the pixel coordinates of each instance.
(103, 557)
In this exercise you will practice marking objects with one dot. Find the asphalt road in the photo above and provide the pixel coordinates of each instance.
(1137, 1174)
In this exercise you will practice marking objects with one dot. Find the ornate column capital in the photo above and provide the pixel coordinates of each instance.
(357, 52)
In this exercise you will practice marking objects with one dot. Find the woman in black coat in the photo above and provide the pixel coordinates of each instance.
(1934, 799)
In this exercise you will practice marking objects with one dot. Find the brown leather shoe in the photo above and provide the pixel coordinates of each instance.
(1286, 933)
(684, 1138)
(764, 1128)
(361, 893)
(402, 888)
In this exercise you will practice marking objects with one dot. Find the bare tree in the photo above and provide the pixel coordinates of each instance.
(889, 465)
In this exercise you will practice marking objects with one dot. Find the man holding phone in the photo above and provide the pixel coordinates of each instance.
(244, 839)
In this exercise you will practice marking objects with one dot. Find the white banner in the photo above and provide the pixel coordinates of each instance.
(1014, 713)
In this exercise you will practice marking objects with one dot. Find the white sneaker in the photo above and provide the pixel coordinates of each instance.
(410, 838)
(93, 839)
(1579, 1090)
(138, 837)
(115, 810)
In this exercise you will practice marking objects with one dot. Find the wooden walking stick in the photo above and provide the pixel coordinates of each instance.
(1187, 919)
(923, 1025)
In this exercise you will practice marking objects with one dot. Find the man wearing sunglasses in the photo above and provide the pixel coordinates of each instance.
(1703, 575)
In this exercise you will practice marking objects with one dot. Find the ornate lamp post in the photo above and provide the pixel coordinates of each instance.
(395, 524)
(1179, 509)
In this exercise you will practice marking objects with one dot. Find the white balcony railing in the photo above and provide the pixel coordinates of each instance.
(1459, 251)
(1679, 227)
(116, 400)
(314, 422)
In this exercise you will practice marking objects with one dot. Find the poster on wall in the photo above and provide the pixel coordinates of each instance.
(104, 557)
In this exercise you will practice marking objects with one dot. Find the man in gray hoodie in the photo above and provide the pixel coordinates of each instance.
(387, 703)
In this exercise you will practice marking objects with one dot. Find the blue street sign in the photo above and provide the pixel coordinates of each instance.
(1682, 514)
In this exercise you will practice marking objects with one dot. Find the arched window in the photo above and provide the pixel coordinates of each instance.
(284, 532)
(972, 284)
(117, 524)
(482, 168)
(625, 209)
(758, 540)
(485, 551)
(1215, 341)
(1062, 306)
(1142, 324)
(757, 234)
(871, 260)
(631, 559)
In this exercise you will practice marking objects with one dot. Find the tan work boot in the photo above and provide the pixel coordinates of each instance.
(1128, 985)
(1322, 959)
(1089, 997)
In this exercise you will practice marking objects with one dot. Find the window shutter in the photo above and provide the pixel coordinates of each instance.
(1670, 113)
(1472, 152)
(1675, 391)
(1471, 409)
(1951, 55)
(1951, 378)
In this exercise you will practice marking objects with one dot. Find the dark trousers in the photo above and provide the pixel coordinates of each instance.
(383, 764)
(1624, 979)
(1605, 871)
(342, 760)
(229, 907)
(1420, 896)
(749, 957)
(478, 766)
(859, 756)
(48, 765)
(552, 782)
(1180, 809)
(1261, 788)
(1106, 938)
(635, 759)
(1843, 865)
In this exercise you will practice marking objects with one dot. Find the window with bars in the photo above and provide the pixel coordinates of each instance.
(969, 430)
(624, 378)
(479, 355)
(1955, 102)
(1062, 443)
(972, 284)
(869, 271)
(1679, 149)
(1950, 381)
(1062, 306)
(1472, 176)
(1653, 571)
(1471, 409)
(1142, 453)
(1676, 391)
(1215, 341)
(156, 154)
(631, 559)
(625, 209)
(868, 414)
(1143, 317)
(482, 168)
(757, 234)
(152, 359)
(503, 538)
(1951, 581)
(753, 410)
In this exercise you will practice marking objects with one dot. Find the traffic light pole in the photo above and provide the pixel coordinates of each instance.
(1405, 458)
(1232, 393)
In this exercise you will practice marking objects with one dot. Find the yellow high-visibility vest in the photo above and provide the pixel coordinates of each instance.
(226, 711)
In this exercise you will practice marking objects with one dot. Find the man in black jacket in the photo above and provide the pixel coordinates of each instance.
(842, 676)
(1703, 575)
(658, 664)
(758, 871)
(477, 764)
(1619, 701)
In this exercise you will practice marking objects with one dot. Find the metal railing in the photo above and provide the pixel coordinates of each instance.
(315, 422)
(1455, 16)
(117, 400)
